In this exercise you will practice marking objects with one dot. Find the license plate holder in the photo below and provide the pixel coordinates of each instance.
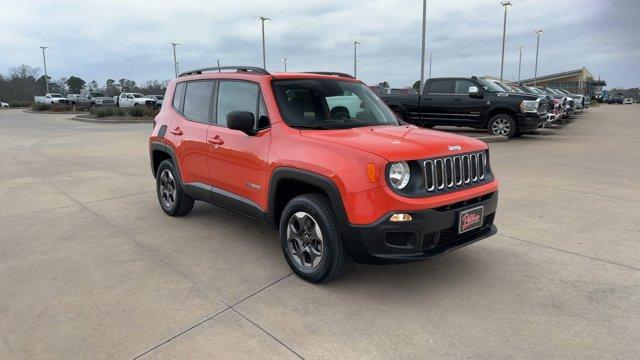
(470, 219)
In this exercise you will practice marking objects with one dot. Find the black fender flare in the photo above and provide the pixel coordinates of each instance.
(162, 147)
(320, 181)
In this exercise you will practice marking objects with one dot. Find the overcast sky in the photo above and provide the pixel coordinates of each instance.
(128, 39)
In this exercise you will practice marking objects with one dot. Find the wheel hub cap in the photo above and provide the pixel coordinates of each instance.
(167, 188)
(304, 240)
(501, 127)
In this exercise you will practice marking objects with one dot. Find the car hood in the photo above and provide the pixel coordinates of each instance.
(396, 143)
(520, 96)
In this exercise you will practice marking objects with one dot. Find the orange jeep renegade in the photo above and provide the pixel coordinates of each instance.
(323, 159)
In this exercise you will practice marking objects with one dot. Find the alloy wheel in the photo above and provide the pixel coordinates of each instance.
(501, 126)
(167, 189)
(304, 240)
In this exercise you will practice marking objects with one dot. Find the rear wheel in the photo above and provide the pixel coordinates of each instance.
(173, 200)
(503, 125)
(310, 239)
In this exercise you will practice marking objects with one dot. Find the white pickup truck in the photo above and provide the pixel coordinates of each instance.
(128, 100)
(51, 98)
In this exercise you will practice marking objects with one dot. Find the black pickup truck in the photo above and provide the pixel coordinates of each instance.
(470, 102)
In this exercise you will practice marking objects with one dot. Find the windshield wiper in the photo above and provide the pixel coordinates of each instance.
(315, 127)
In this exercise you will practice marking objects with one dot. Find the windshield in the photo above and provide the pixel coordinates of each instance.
(490, 86)
(159, 97)
(56, 95)
(95, 94)
(137, 96)
(330, 104)
(504, 87)
(517, 89)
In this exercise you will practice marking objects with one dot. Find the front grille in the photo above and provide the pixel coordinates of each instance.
(151, 103)
(543, 106)
(454, 171)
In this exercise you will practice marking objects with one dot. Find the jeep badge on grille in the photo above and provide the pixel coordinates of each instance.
(455, 147)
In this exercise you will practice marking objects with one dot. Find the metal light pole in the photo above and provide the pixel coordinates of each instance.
(505, 4)
(218, 60)
(535, 73)
(520, 63)
(355, 58)
(175, 61)
(424, 35)
(44, 59)
(430, 58)
(264, 56)
(284, 59)
(178, 66)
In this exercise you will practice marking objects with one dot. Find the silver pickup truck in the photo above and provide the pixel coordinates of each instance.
(92, 99)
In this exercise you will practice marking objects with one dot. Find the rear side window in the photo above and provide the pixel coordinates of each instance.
(441, 86)
(178, 95)
(236, 96)
(197, 100)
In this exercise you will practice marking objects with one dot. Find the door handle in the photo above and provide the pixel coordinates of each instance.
(457, 99)
(216, 140)
(176, 131)
(427, 98)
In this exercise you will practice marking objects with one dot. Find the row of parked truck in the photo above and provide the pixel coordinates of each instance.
(94, 99)
(503, 109)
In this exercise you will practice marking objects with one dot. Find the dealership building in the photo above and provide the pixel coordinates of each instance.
(578, 81)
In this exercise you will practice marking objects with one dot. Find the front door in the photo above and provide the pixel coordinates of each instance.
(465, 107)
(237, 161)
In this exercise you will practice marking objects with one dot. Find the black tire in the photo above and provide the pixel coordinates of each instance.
(502, 124)
(182, 203)
(136, 105)
(334, 255)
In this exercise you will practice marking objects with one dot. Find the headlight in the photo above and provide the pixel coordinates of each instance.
(529, 106)
(399, 174)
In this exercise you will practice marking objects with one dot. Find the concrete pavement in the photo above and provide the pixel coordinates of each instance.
(90, 266)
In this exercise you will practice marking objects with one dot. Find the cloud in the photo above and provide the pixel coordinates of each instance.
(116, 39)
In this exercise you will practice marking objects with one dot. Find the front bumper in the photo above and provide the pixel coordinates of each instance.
(432, 232)
(530, 121)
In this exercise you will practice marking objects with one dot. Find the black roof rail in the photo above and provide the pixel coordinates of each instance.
(248, 69)
(330, 73)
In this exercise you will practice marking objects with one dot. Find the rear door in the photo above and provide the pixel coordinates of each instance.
(188, 131)
(436, 102)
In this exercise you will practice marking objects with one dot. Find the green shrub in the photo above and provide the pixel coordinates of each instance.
(21, 104)
(119, 112)
(40, 107)
(60, 107)
(104, 112)
(137, 111)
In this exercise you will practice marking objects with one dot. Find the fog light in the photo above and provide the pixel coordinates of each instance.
(400, 217)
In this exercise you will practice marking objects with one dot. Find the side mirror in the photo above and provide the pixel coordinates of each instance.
(473, 91)
(242, 120)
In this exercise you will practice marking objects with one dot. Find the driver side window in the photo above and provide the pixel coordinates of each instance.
(462, 86)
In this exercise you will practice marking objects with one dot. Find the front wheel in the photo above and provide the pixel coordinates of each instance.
(502, 125)
(310, 239)
(136, 105)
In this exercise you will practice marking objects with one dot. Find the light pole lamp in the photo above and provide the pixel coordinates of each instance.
(175, 61)
(284, 60)
(264, 53)
(505, 4)
(355, 58)
(430, 58)
(535, 72)
(520, 63)
(44, 60)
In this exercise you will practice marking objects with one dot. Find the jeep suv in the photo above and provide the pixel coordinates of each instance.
(324, 160)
